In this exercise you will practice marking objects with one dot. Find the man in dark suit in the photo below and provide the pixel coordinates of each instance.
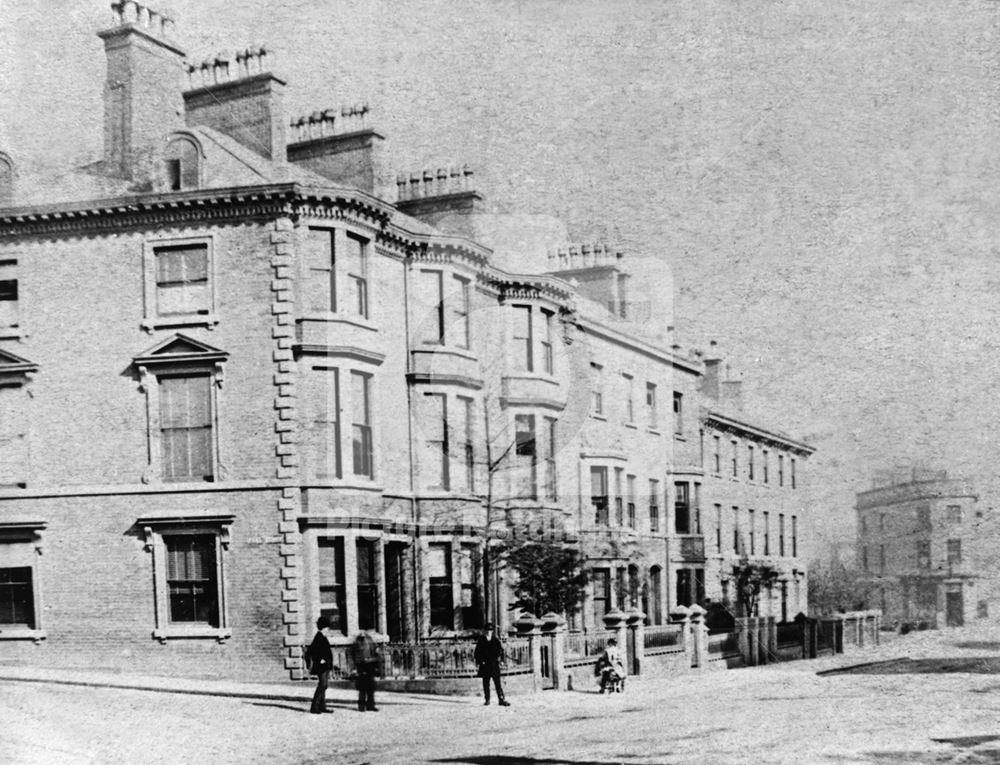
(320, 664)
(489, 655)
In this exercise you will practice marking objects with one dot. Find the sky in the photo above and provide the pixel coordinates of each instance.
(820, 177)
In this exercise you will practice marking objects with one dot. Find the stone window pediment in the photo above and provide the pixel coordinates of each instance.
(15, 370)
(182, 380)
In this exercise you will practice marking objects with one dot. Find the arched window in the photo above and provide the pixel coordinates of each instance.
(7, 174)
(183, 164)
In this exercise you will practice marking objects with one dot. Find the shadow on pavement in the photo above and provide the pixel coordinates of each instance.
(981, 645)
(972, 666)
(965, 752)
(500, 759)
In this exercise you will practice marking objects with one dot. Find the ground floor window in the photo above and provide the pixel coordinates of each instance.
(192, 579)
(442, 609)
(17, 600)
(188, 558)
(20, 601)
(600, 579)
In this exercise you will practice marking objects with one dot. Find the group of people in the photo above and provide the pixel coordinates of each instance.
(489, 656)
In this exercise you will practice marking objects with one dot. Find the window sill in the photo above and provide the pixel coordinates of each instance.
(680, 437)
(11, 333)
(22, 633)
(631, 426)
(653, 432)
(428, 346)
(354, 484)
(194, 631)
(208, 320)
(336, 318)
(600, 417)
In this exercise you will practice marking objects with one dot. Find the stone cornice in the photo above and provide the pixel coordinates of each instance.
(592, 327)
(234, 203)
(737, 427)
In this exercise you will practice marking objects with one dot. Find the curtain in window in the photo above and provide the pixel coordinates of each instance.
(182, 280)
(191, 579)
(186, 427)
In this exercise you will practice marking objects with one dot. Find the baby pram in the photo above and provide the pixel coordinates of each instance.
(611, 671)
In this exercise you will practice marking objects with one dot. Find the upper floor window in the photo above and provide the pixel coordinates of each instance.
(954, 552)
(764, 459)
(549, 457)
(682, 507)
(736, 459)
(186, 427)
(795, 536)
(654, 506)
(752, 530)
(336, 272)
(183, 164)
(767, 532)
(321, 405)
(435, 462)
(596, 389)
(923, 553)
(781, 534)
(652, 418)
(718, 528)
(628, 386)
(182, 280)
(791, 467)
(460, 311)
(750, 461)
(179, 283)
(781, 470)
(361, 425)
(9, 318)
(7, 175)
(716, 455)
(465, 478)
(356, 266)
(526, 455)
(678, 413)
(619, 499)
(15, 403)
(954, 513)
(599, 494)
(546, 341)
(630, 496)
(182, 380)
(430, 296)
(524, 357)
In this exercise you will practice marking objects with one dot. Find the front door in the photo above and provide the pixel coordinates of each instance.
(953, 609)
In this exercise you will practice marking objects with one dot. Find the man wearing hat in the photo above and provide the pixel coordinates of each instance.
(489, 655)
(320, 660)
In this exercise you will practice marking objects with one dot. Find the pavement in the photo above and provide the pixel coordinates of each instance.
(927, 697)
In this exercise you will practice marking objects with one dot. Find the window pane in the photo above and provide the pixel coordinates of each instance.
(435, 457)
(331, 582)
(367, 585)
(186, 427)
(191, 579)
(320, 280)
(428, 300)
(17, 604)
(439, 579)
(521, 319)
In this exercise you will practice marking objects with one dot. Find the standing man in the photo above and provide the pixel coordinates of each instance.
(320, 660)
(489, 656)
(366, 663)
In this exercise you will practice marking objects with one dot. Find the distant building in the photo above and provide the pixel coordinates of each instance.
(249, 377)
(927, 542)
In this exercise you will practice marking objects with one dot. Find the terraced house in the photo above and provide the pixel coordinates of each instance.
(249, 375)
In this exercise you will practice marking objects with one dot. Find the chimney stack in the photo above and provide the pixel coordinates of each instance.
(443, 197)
(241, 98)
(340, 145)
(142, 90)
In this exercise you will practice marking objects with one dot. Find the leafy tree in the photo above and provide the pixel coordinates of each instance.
(750, 579)
(550, 576)
(835, 587)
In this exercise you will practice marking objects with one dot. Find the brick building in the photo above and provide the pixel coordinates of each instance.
(926, 541)
(246, 379)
